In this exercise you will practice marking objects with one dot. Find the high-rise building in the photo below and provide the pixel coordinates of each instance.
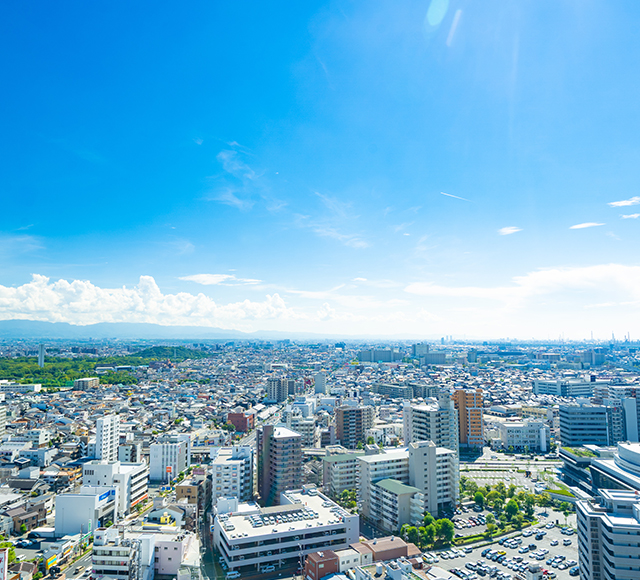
(41, 356)
(278, 389)
(320, 382)
(352, 424)
(468, 402)
(609, 536)
(3, 420)
(107, 438)
(279, 462)
(232, 471)
(397, 487)
(435, 421)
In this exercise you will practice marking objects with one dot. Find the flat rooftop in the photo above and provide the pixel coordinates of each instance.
(309, 512)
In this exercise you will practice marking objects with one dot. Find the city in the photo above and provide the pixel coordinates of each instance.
(274, 459)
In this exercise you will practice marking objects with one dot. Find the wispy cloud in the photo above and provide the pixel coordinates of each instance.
(585, 225)
(338, 207)
(198, 141)
(19, 244)
(350, 240)
(625, 202)
(232, 163)
(507, 231)
(630, 216)
(454, 26)
(219, 280)
(454, 196)
(229, 197)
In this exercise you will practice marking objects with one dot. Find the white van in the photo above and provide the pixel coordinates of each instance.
(266, 569)
(234, 574)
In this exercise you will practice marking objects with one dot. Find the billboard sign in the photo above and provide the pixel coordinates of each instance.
(4, 563)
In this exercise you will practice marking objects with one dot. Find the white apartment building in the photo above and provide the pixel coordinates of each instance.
(233, 474)
(167, 460)
(609, 536)
(435, 421)
(422, 477)
(252, 538)
(340, 472)
(529, 434)
(107, 438)
(132, 480)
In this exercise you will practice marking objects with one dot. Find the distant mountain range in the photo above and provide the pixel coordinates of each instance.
(34, 329)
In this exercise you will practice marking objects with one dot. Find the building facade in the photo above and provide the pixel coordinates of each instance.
(279, 462)
(468, 403)
(352, 424)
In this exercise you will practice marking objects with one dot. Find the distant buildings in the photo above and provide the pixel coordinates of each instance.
(242, 420)
(279, 462)
(86, 384)
(587, 424)
(352, 424)
(379, 355)
(320, 383)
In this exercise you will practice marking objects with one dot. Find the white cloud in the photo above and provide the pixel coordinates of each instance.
(81, 302)
(509, 230)
(630, 216)
(219, 279)
(198, 141)
(454, 196)
(229, 197)
(585, 225)
(625, 202)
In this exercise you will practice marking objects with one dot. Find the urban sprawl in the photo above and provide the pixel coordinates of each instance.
(283, 459)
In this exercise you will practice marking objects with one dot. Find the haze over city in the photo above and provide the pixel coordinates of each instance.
(342, 168)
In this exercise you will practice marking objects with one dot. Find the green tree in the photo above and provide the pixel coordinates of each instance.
(501, 489)
(502, 521)
(512, 490)
(428, 519)
(492, 496)
(23, 529)
(529, 504)
(491, 528)
(370, 440)
(359, 445)
(544, 499)
(444, 530)
(511, 509)
(413, 535)
(12, 550)
(491, 519)
(498, 506)
(479, 498)
(518, 520)
(429, 534)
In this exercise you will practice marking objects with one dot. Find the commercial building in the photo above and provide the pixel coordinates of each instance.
(565, 388)
(195, 490)
(352, 424)
(434, 421)
(279, 462)
(167, 459)
(107, 438)
(379, 355)
(587, 424)
(131, 479)
(609, 536)
(320, 383)
(253, 539)
(90, 508)
(232, 473)
(9, 387)
(617, 470)
(393, 391)
(468, 403)
(525, 435)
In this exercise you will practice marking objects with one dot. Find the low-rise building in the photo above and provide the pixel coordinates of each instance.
(132, 480)
(525, 435)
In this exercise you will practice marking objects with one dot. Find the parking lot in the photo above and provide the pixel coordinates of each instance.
(550, 553)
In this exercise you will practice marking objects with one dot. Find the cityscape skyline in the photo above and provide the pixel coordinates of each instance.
(347, 169)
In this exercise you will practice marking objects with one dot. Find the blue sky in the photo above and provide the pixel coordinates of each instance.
(283, 166)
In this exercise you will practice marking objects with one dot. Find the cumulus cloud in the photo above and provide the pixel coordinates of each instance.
(219, 279)
(630, 216)
(625, 202)
(509, 230)
(585, 225)
(81, 302)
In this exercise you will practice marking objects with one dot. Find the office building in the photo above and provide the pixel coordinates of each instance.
(565, 388)
(251, 539)
(107, 438)
(320, 383)
(279, 462)
(419, 349)
(232, 473)
(385, 355)
(617, 470)
(468, 403)
(587, 424)
(167, 459)
(131, 479)
(609, 536)
(41, 355)
(393, 391)
(435, 421)
(527, 435)
(352, 424)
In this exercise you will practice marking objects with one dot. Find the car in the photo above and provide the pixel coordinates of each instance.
(566, 542)
(575, 571)
(550, 526)
(265, 569)
(234, 574)
(532, 547)
(554, 543)
(527, 533)
(523, 550)
(468, 550)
